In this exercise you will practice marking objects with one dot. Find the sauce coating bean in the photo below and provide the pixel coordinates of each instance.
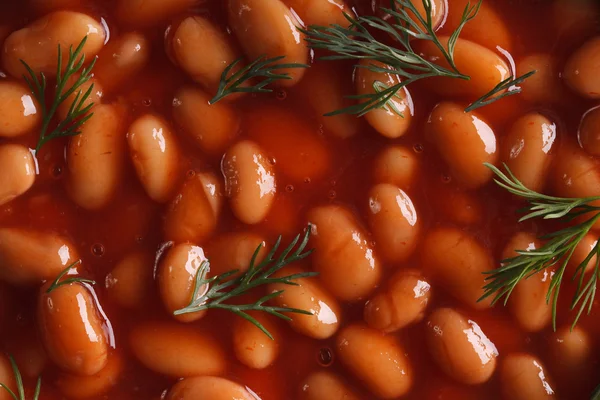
(18, 109)
(589, 131)
(317, 12)
(544, 86)
(583, 67)
(251, 346)
(234, 251)
(250, 181)
(208, 388)
(18, 171)
(465, 141)
(128, 284)
(487, 29)
(377, 360)
(401, 302)
(571, 353)
(397, 165)
(343, 257)
(72, 329)
(457, 261)
(523, 377)
(84, 387)
(323, 385)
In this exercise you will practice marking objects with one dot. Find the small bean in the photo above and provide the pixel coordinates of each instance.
(19, 110)
(18, 171)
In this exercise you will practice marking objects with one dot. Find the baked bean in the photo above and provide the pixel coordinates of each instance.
(323, 385)
(394, 222)
(72, 329)
(36, 43)
(269, 28)
(176, 351)
(485, 68)
(457, 261)
(323, 13)
(527, 302)
(28, 352)
(7, 377)
(193, 213)
(250, 181)
(459, 347)
(197, 35)
(571, 353)
(544, 86)
(401, 302)
(582, 250)
(94, 99)
(297, 147)
(458, 206)
(96, 158)
(574, 20)
(465, 141)
(211, 126)
(589, 131)
(85, 387)
(121, 60)
(208, 388)
(487, 29)
(234, 251)
(251, 346)
(325, 89)
(149, 12)
(343, 256)
(397, 165)
(128, 284)
(527, 149)
(156, 155)
(28, 257)
(177, 277)
(310, 296)
(523, 377)
(582, 69)
(18, 109)
(377, 360)
(386, 121)
(18, 171)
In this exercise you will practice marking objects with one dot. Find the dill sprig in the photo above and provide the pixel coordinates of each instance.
(58, 283)
(557, 251)
(76, 116)
(216, 291)
(356, 42)
(265, 68)
(19, 383)
(596, 394)
(507, 87)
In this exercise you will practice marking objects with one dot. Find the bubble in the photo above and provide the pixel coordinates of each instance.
(325, 357)
(280, 94)
(418, 148)
(98, 249)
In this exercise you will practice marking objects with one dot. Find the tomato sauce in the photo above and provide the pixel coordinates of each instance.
(134, 222)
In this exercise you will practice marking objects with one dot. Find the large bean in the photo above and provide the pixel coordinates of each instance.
(121, 60)
(177, 277)
(85, 387)
(545, 85)
(487, 29)
(96, 158)
(250, 181)
(386, 120)
(343, 257)
(457, 261)
(176, 351)
(128, 284)
(528, 147)
(234, 251)
(527, 303)
(28, 257)
(208, 388)
(394, 222)
(18, 171)
(523, 377)
(379, 361)
(583, 68)
(571, 353)
(145, 13)
(251, 346)
(36, 43)
(197, 35)
(18, 109)
(465, 142)
(72, 329)
(323, 385)
(485, 68)
(459, 347)
(95, 97)
(589, 131)
(401, 302)
(193, 213)
(156, 156)
(269, 28)
(211, 126)
(397, 165)
(308, 295)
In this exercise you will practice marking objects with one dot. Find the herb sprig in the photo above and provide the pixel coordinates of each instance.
(19, 383)
(215, 292)
(58, 282)
(265, 69)
(557, 251)
(356, 42)
(77, 114)
(507, 87)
